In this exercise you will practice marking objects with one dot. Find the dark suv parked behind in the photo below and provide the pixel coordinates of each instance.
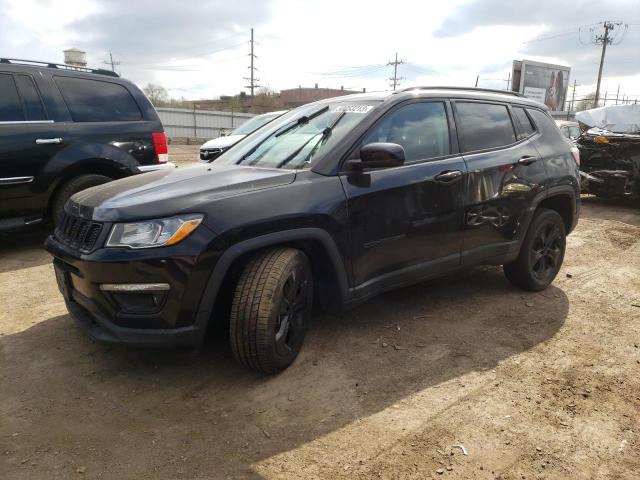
(331, 203)
(64, 129)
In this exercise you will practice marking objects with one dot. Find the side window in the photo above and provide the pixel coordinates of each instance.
(574, 132)
(10, 106)
(526, 127)
(421, 128)
(30, 98)
(484, 125)
(96, 101)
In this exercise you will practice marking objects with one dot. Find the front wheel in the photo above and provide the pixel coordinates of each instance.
(271, 309)
(541, 254)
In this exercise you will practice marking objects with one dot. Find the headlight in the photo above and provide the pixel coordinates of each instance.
(153, 233)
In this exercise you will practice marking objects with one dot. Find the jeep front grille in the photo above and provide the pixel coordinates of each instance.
(78, 233)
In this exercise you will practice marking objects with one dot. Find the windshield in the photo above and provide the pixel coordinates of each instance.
(297, 138)
(253, 124)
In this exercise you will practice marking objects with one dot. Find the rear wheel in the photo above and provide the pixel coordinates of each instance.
(541, 254)
(271, 309)
(70, 188)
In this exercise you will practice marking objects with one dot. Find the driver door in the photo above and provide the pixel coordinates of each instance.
(406, 222)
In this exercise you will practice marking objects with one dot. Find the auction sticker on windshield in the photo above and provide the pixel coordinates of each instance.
(351, 108)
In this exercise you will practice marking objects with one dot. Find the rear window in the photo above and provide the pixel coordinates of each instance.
(10, 107)
(31, 101)
(526, 127)
(97, 101)
(484, 125)
(545, 124)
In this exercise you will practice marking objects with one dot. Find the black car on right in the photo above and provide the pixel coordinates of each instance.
(330, 204)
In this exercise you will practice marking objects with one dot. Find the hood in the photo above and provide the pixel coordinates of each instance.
(164, 193)
(223, 142)
(615, 118)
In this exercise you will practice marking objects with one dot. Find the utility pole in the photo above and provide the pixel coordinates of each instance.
(604, 104)
(252, 69)
(617, 93)
(111, 62)
(509, 81)
(395, 80)
(573, 99)
(605, 39)
(477, 79)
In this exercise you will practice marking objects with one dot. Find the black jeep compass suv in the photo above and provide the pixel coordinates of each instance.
(64, 129)
(332, 203)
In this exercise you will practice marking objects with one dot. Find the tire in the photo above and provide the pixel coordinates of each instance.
(270, 310)
(541, 254)
(71, 187)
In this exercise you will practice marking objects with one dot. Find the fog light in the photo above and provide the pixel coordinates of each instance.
(139, 303)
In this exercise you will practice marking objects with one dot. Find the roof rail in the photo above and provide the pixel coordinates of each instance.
(61, 66)
(472, 89)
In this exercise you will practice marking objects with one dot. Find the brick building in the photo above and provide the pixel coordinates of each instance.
(268, 102)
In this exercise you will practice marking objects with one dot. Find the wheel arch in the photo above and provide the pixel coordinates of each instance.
(563, 202)
(329, 272)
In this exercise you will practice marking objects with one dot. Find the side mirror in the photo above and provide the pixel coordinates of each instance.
(378, 155)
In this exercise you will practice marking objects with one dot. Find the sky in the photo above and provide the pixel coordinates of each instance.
(200, 49)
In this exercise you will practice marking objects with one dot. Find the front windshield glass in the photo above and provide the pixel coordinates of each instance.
(253, 124)
(297, 138)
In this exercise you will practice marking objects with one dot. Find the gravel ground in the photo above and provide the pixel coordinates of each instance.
(538, 385)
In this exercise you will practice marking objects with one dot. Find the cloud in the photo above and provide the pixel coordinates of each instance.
(148, 30)
(553, 14)
(199, 49)
(559, 40)
(150, 33)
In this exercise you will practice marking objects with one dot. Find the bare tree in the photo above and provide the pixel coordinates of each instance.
(157, 94)
(586, 103)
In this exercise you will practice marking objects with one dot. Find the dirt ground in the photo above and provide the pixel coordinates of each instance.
(539, 385)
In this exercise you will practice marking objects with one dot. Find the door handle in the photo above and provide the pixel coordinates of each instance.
(527, 160)
(448, 176)
(47, 141)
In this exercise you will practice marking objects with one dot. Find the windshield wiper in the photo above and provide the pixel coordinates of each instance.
(325, 133)
(299, 121)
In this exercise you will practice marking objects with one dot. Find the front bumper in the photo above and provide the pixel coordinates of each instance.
(172, 319)
(208, 155)
(156, 166)
(105, 331)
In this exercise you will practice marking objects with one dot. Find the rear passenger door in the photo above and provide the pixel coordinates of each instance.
(28, 139)
(504, 175)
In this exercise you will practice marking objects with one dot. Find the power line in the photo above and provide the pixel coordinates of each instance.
(550, 36)
(358, 73)
(395, 80)
(202, 55)
(194, 67)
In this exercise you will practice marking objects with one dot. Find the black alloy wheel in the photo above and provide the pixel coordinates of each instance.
(541, 253)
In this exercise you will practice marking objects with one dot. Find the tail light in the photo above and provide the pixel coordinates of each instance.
(576, 155)
(160, 146)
